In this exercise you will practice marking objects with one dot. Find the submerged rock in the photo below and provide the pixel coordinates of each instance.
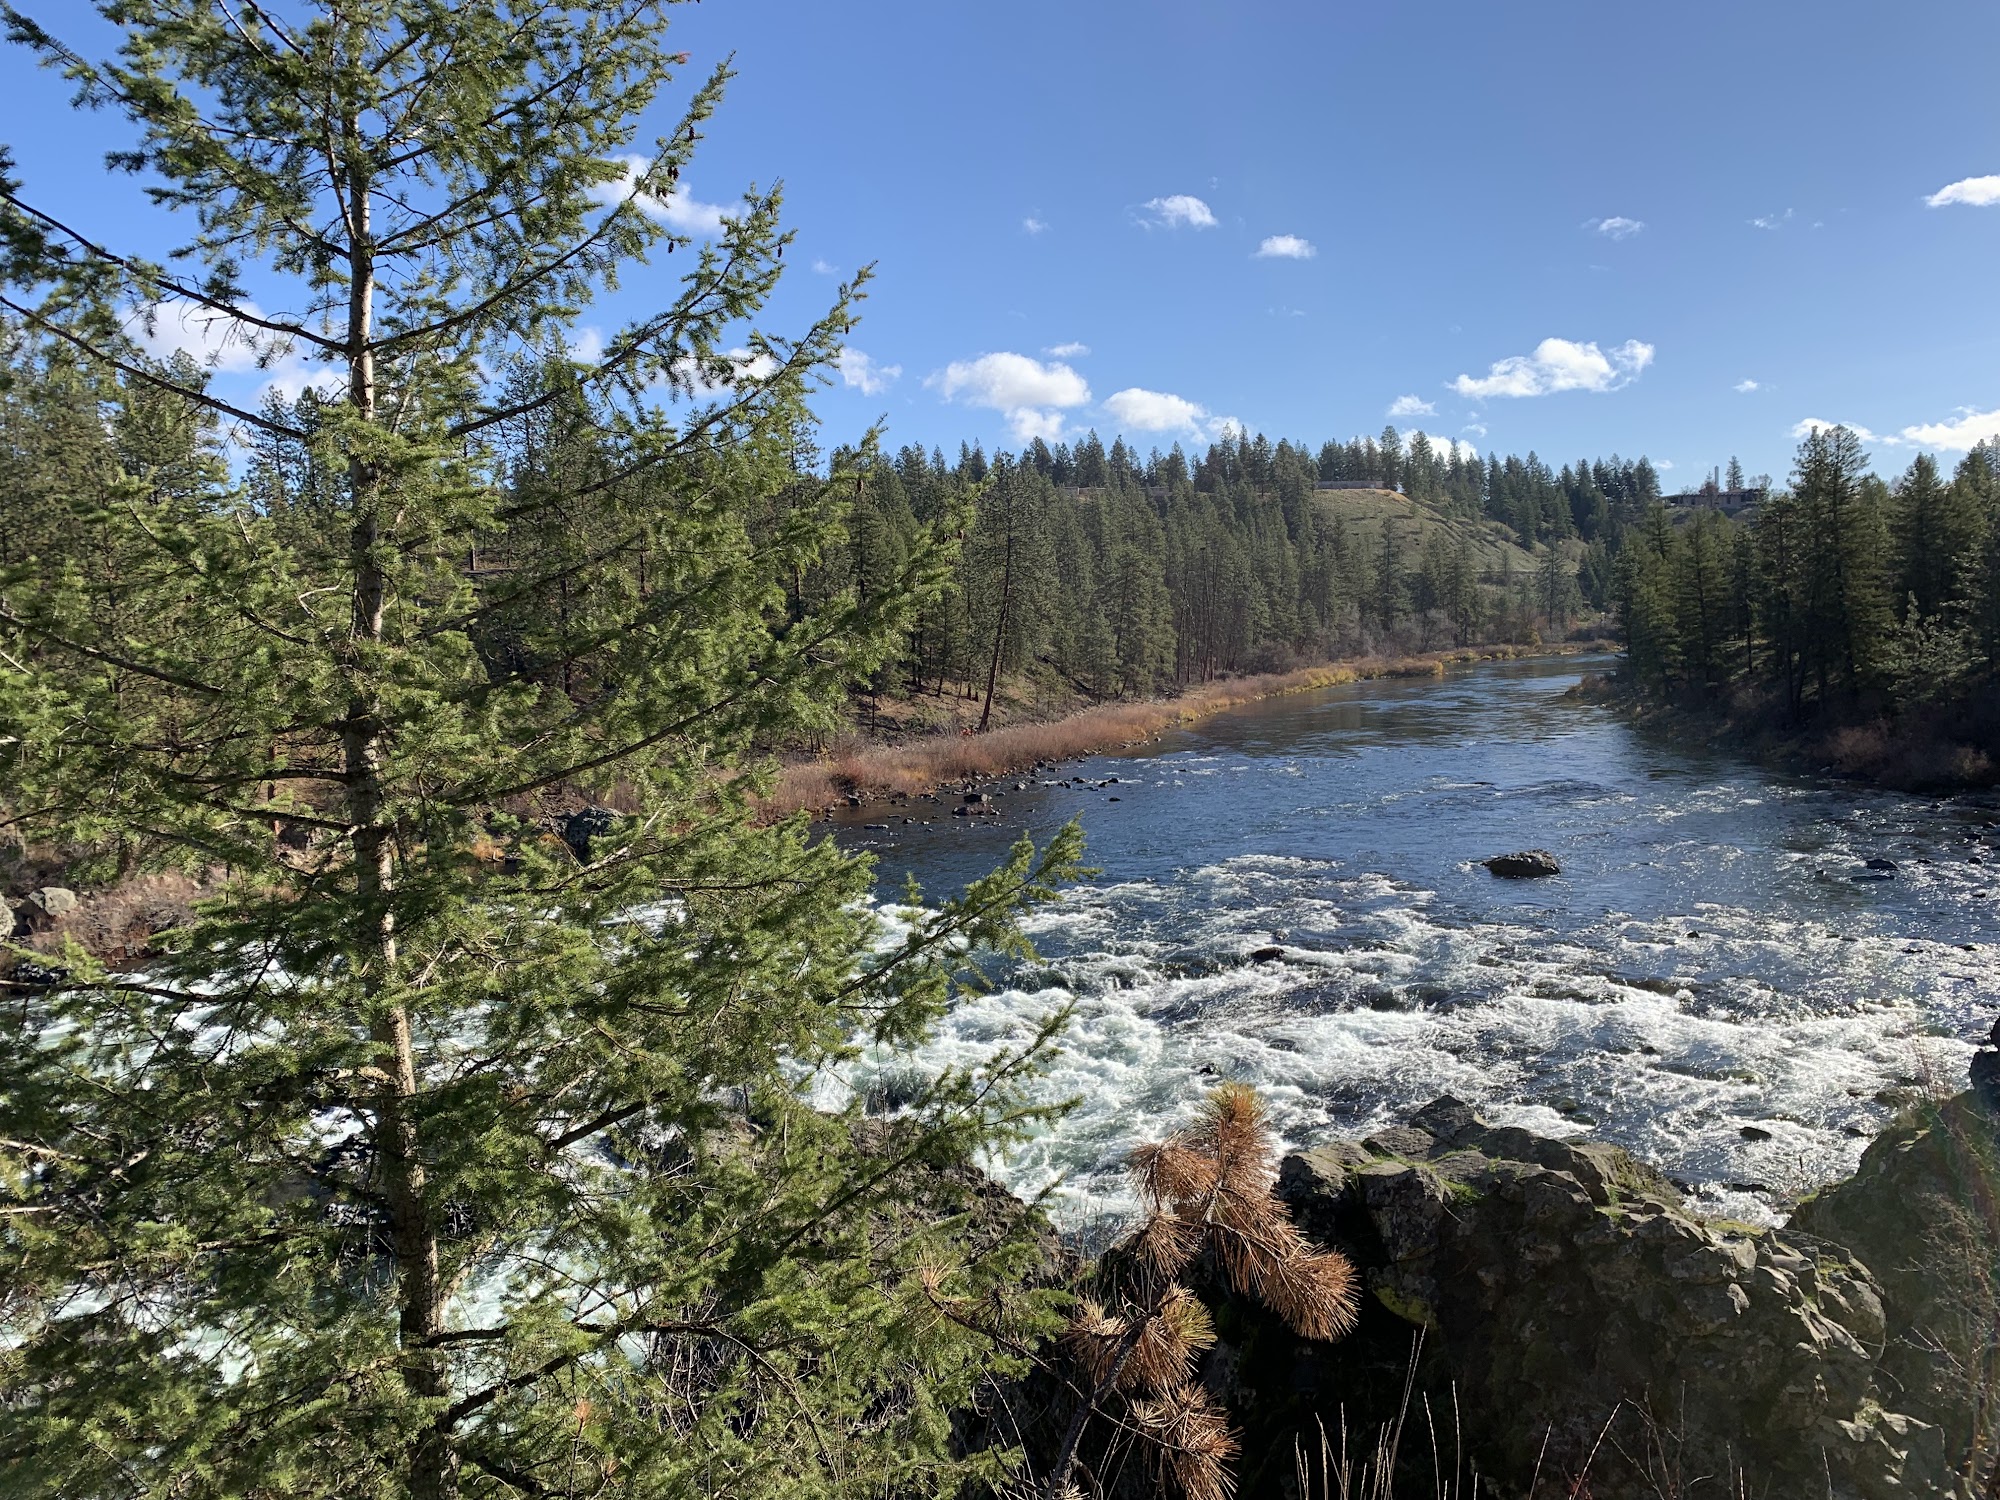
(1579, 1316)
(1526, 864)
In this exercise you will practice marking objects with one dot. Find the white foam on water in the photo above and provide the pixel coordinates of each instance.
(1752, 1062)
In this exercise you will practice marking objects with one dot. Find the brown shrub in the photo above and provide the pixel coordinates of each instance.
(853, 765)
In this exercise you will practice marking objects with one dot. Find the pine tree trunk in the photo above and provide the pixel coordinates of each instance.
(420, 1292)
(1000, 626)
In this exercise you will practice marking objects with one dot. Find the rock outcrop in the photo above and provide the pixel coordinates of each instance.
(1922, 1212)
(1582, 1319)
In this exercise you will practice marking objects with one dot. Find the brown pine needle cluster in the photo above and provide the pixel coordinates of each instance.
(1207, 1191)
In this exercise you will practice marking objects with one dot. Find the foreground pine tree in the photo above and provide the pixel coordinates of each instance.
(441, 1156)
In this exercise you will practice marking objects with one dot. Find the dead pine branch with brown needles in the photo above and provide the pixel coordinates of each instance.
(1208, 1202)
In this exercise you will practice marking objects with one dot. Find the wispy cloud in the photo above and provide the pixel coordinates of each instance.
(1034, 225)
(1617, 227)
(1771, 221)
(719, 375)
(1746, 386)
(1444, 447)
(679, 209)
(1286, 247)
(1032, 395)
(859, 372)
(1177, 211)
(1973, 192)
(1964, 430)
(1067, 351)
(226, 346)
(211, 339)
(1477, 429)
(1559, 365)
(826, 268)
(1811, 425)
(1412, 406)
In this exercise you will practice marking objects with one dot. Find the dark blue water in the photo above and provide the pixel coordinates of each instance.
(1708, 981)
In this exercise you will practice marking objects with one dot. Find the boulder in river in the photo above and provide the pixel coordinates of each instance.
(1524, 864)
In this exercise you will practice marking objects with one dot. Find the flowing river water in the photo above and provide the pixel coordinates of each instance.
(1717, 980)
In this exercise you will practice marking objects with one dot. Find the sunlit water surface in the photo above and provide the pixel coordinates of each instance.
(1713, 981)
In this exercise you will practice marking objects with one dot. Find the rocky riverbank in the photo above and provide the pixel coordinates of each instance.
(868, 768)
(1576, 1323)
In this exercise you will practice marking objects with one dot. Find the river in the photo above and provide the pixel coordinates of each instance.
(1714, 981)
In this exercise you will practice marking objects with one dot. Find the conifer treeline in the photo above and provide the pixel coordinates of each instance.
(1841, 593)
(1124, 575)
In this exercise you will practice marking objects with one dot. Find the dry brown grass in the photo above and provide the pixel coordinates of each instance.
(856, 767)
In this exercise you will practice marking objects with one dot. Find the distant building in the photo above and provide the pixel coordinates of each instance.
(1347, 484)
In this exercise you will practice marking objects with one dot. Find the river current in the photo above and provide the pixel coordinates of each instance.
(1717, 979)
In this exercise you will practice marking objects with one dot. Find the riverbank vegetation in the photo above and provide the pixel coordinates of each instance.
(1850, 619)
(868, 765)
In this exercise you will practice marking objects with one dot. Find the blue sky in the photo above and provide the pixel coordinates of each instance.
(1577, 228)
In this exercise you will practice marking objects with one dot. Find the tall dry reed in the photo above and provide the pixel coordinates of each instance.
(871, 770)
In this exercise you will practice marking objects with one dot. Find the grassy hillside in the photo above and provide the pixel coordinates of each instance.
(1363, 513)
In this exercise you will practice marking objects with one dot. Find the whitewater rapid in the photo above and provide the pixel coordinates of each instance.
(1717, 980)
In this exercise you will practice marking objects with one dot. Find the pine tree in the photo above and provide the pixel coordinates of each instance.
(449, 1156)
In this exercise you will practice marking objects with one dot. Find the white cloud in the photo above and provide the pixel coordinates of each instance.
(1617, 227)
(678, 210)
(1139, 410)
(1034, 225)
(1973, 192)
(860, 372)
(1662, 464)
(211, 339)
(1814, 424)
(1770, 221)
(1477, 429)
(1006, 381)
(1178, 211)
(1959, 435)
(226, 346)
(1412, 406)
(1031, 394)
(1443, 447)
(1030, 423)
(1559, 365)
(1154, 411)
(704, 380)
(825, 267)
(1067, 351)
(1286, 247)
(1745, 387)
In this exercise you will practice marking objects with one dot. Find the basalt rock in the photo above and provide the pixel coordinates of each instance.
(1526, 864)
(1919, 1212)
(1578, 1316)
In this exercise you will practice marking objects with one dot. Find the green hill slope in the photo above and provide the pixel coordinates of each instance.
(1363, 513)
